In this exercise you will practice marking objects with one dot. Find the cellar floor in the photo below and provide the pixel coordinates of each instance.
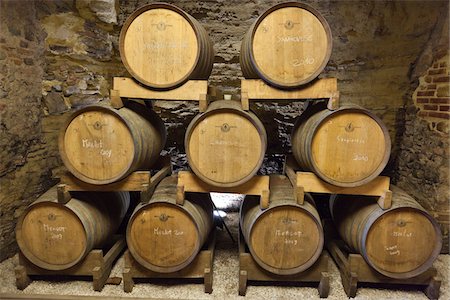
(225, 281)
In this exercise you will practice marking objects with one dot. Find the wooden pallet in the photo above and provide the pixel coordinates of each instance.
(200, 267)
(95, 264)
(189, 182)
(354, 269)
(140, 181)
(249, 270)
(306, 182)
(192, 90)
(257, 89)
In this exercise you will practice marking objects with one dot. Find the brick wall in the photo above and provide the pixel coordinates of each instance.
(432, 96)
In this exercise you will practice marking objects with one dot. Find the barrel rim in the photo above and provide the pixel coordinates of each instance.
(33, 258)
(308, 79)
(420, 269)
(298, 269)
(66, 160)
(130, 20)
(252, 119)
(381, 166)
(147, 264)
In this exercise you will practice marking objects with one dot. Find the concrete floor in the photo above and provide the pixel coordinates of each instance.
(225, 281)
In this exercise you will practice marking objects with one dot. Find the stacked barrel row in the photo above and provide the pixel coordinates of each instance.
(288, 46)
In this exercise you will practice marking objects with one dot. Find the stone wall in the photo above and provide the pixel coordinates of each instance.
(66, 53)
(423, 162)
(25, 162)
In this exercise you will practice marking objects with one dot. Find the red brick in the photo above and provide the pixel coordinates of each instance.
(436, 72)
(441, 79)
(423, 100)
(443, 64)
(443, 100)
(430, 107)
(427, 93)
(439, 115)
(422, 114)
(431, 87)
(436, 65)
(444, 108)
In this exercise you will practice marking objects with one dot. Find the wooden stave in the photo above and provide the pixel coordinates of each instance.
(227, 106)
(100, 214)
(141, 123)
(247, 61)
(364, 213)
(202, 68)
(201, 211)
(303, 133)
(280, 196)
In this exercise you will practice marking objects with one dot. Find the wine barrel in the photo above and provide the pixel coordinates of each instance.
(400, 242)
(166, 237)
(101, 145)
(286, 238)
(288, 46)
(57, 236)
(347, 147)
(225, 145)
(162, 46)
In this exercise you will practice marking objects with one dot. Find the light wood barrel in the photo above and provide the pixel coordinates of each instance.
(57, 236)
(225, 145)
(400, 242)
(286, 238)
(163, 47)
(347, 147)
(288, 46)
(166, 237)
(100, 145)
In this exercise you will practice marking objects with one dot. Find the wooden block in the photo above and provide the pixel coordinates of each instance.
(133, 182)
(333, 102)
(255, 186)
(116, 101)
(244, 101)
(191, 90)
(324, 285)
(325, 88)
(208, 280)
(62, 194)
(128, 282)
(385, 201)
(242, 283)
(311, 183)
(203, 103)
(22, 278)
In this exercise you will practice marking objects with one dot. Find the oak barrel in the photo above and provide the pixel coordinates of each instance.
(57, 236)
(286, 238)
(288, 46)
(347, 147)
(400, 242)
(101, 145)
(166, 237)
(162, 46)
(225, 145)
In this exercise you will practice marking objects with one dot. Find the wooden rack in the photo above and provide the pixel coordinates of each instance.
(249, 270)
(95, 264)
(354, 269)
(189, 182)
(200, 267)
(140, 181)
(256, 89)
(306, 182)
(192, 90)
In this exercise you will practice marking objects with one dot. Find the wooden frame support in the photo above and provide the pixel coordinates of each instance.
(306, 182)
(192, 90)
(140, 181)
(200, 267)
(354, 269)
(189, 182)
(95, 264)
(249, 270)
(256, 89)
